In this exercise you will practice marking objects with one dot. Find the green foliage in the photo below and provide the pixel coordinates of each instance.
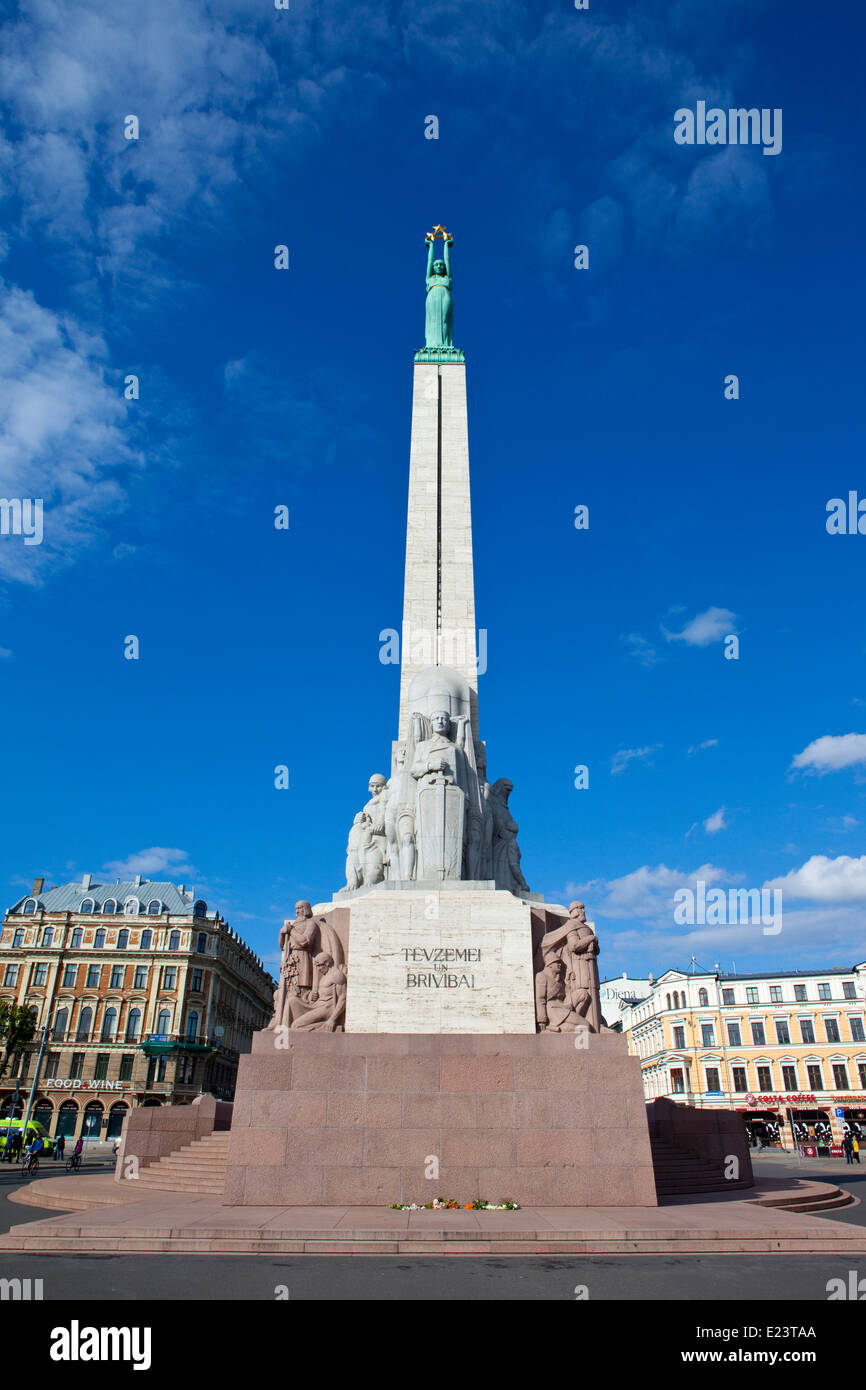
(17, 1028)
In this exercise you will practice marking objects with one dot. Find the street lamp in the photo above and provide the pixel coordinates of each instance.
(13, 1106)
(30, 1099)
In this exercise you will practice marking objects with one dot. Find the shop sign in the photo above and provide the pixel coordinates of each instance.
(74, 1083)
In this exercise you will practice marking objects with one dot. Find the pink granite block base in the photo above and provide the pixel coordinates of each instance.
(336, 1119)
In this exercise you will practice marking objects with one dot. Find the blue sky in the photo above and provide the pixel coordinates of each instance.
(602, 387)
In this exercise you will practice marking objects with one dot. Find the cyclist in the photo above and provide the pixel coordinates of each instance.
(34, 1149)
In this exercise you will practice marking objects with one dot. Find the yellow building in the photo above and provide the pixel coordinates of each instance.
(786, 1049)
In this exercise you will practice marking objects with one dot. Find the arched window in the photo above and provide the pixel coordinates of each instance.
(703, 998)
(132, 907)
(29, 907)
(109, 1024)
(43, 1113)
(77, 936)
(87, 905)
(154, 907)
(99, 939)
(48, 936)
(93, 1112)
(133, 1025)
(146, 938)
(116, 1116)
(18, 938)
(61, 1023)
(192, 1025)
(668, 997)
(163, 1022)
(122, 939)
(174, 941)
(109, 907)
(67, 1119)
(201, 944)
(200, 908)
(85, 1023)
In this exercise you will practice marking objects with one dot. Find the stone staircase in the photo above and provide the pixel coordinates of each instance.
(198, 1167)
(679, 1173)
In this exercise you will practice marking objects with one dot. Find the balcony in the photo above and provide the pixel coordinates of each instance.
(160, 1044)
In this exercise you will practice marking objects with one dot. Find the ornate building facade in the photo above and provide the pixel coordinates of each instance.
(149, 996)
(786, 1049)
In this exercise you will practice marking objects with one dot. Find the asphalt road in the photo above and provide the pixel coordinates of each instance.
(629, 1278)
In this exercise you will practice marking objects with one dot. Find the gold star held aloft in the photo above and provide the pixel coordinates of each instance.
(439, 231)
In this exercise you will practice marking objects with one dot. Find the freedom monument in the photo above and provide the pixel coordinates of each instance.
(437, 1026)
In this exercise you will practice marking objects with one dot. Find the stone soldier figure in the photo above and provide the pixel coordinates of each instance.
(325, 1009)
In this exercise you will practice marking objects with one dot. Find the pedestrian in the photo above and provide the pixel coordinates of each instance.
(848, 1148)
(855, 1145)
(60, 1145)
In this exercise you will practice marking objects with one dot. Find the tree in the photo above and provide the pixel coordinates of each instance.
(17, 1027)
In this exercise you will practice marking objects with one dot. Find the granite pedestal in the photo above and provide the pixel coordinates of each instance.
(336, 1119)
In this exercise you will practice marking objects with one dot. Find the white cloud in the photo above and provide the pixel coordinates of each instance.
(641, 649)
(705, 628)
(716, 822)
(825, 880)
(647, 892)
(707, 743)
(150, 863)
(832, 752)
(621, 760)
(5, 653)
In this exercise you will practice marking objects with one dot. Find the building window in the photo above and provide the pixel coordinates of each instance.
(758, 1038)
(11, 975)
(109, 1024)
(109, 907)
(169, 977)
(861, 1071)
(29, 907)
(61, 1021)
(154, 907)
(789, 1078)
(807, 1032)
(123, 939)
(800, 994)
(70, 975)
(679, 1036)
(99, 940)
(727, 996)
(40, 974)
(93, 975)
(18, 938)
(126, 1062)
(765, 1080)
(48, 936)
(201, 943)
(708, 1035)
(856, 1022)
(100, 1071)
(200, 908)
(141, 973)
(713, 1079)
(832, 1026)
(775, 994)
(848, 991)
(816, 1080)
(51, 1063)
(117, 975)
(192, 1026)
(132, 907)
(195, 983)
(751, 994)
(77, 1065)
(703, 999)
(840, 1076)
(146, 938)
(160, 1068)
(87, 906)
(677, 1084)
(824, 991)
(77, 936)
(740, 1082)
(163, 1022)
(734, 1039)
(174, 941)
(133, 1024)
(782, 1032)
(85, 1021)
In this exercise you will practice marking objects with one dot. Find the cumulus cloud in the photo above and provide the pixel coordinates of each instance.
(825, 880)
(151, 863)
(705, 628)
(832, 752)
(647, 892)
(716, 822)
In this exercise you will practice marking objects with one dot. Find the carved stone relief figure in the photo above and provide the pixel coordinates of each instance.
(301, 941)
(325, 1009)
(571, 949)
(506, 855)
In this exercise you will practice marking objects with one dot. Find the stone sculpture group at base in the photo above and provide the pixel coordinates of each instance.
(311, 994)
(567, 994)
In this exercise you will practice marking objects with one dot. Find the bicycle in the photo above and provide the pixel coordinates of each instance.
(73, 1163)
(31, 1164)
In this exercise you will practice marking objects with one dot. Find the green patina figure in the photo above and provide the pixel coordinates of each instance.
(439, 318)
